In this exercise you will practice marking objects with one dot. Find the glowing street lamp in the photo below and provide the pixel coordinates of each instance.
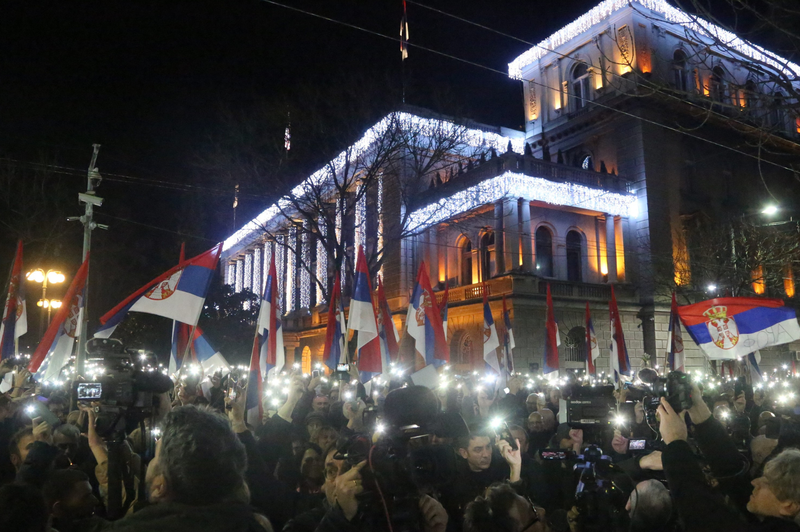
(53, 277)
(770, 210)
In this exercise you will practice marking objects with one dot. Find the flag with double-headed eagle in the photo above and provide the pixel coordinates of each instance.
(178, 294)
(619, 361)
(491, 341)
(335, 348)
(15, 314)
(362, 320)
(58, 342)
(727, 328)
(390, 347)
(424, 322)
(443, 309)
(508, 340)
(675, 354)
(592, 347)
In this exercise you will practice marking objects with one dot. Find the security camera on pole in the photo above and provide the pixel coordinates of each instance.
(90, 200)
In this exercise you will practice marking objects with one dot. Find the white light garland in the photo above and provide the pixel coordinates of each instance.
(360, 227)
(267, 259)
(515, 185)
(258, 284)
(248, 271)
(280, 266)
(605, 9)
(239, 276)
(379, 208)
(291, 270)
(426, 126)
(305, 277)
(322, 260)
(231, 277)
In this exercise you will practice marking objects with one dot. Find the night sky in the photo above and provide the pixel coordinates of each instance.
(148, 81)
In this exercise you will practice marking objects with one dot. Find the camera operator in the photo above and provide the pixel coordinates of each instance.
(502, 508)
(775, 499)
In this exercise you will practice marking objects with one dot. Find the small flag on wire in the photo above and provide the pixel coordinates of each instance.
(404, 33)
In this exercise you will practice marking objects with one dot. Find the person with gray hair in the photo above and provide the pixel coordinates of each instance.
(650, 507)
(196, 481)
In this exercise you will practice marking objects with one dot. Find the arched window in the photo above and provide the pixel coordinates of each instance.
(580, 86)
(777, 115)
(679, 72)
(750, 95)
(574, 256)
(305, 361)
(488, 256)
(465, 261)
(575, 345)
(717, 84)
(544, 252)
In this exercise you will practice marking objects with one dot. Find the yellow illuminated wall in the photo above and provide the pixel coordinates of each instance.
(759, 286)
(788, 281)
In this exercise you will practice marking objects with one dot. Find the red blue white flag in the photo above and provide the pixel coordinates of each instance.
(620, 363)
(443, 309)
(335, 349)
(390, 347)
(675, 353)
(508, 340)
(552, 338)
(490, 339)
(201, 352)
(728, 328)
(592, 347)
(55, 348)
(424, 322)
(180, 332)
(178, 294)
(362, 319)
(15, 315)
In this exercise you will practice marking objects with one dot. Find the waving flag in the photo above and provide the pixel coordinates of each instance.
(201, 352)
(490, 339)
(55, 348)
(620, 363)
(180, 332)
(443, 309)
(727, 328)
(335, 349)
(15, 315)
(592, 348)
(752, 361)
(552, 338)
(387, 332)
(362, 319)
(424, 322)
(508, 340)
(178, 294)
(675, 354)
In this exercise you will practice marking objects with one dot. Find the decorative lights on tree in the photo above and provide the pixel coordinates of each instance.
(291, 268)
(280, 266)
(514, 185)
(322, 261)
(360, 228)
(379, 208)
(305, 277)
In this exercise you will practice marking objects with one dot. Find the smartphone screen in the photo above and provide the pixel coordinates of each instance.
(636, 445)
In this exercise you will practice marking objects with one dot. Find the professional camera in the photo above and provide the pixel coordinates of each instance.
(122, 389)
(676, 387)
(402, 463)
(591, 406)
(600, 503)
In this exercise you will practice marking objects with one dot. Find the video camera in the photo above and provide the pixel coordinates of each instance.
(676, 387)
(591, 406)
(402, 463)
(600, 503)
(123, 390)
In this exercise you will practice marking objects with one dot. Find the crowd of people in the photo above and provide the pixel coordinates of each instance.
(334, 455)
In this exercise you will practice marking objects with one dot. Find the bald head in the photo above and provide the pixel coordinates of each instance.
(530, 402)
(649, 506)
(549, 419)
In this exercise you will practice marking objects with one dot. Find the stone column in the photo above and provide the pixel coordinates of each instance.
(510, 235)
(526, 234)
(499, 220)
(611, 249)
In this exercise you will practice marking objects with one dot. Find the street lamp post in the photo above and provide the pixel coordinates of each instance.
(53, 277)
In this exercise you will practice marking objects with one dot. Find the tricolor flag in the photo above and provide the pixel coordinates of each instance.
(552, 339)
(15, 315)
(362, 319)
(620, 363)
(178, 294)
(390, 347)
(752, 361)
(675, 354)
(490, 339)
(443, 309)
(335, 349)
(592, 347)
(267, 354)
(180, 333)
(424, 322)
(56, 346)
(727, 328)
(508, 340)
(201, 352)
(404, 33)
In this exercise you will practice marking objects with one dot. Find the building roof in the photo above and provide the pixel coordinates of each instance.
(475, 137)
(703, 29)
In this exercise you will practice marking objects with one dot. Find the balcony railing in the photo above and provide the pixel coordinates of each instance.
(532, 285)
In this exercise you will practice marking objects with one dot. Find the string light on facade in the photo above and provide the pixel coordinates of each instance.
(280, 266)
(322, 260)
(701, 28)
(291, 268)
(248, 271)
(231, 274)
(257, 270)
(239, 275)
(360, 228)
(426, 127)
(305, 277)
(515, 185)
(379, 208)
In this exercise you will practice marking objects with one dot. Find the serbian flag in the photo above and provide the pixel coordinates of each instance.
(404, 34)
(752, 361)
(490, 339)
(178, 294)
(390, 347)
(180, 332)
(424, 322)
(508, 340)
(443, 309)
(675, 353)
(362, 319)
(620, 363)
(335, 349)
(552, 338)
(201, 352)
(15, 315)
(592, 347)
(55, 348)
(727, 328)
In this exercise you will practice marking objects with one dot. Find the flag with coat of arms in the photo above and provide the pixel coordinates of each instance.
(15, 312)
(178, 294)
(424, 322)
(620, 363)
(592, 347)
(390, 347)
(675, 354)
(335, 348)
(362, 319)
(490, 339)
(58, 342)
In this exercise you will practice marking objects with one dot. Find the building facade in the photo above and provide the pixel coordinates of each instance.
(595, 192)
